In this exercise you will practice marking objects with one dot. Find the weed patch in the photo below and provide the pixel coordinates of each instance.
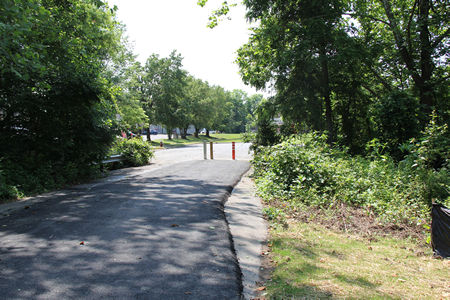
(305, 170)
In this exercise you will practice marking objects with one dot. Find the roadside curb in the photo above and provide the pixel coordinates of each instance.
(243, 212)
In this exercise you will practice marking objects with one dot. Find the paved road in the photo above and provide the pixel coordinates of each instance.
(157, 232)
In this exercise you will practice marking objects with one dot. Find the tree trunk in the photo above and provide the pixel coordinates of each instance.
(422, 79)
(326, 94)
(183, 133)
(169, 133)
(207, 133)
(196, 132)
(347, 124)
(149, 139)
(426, 62)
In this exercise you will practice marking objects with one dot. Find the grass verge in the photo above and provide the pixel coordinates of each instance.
(311, 261)
(216, 138)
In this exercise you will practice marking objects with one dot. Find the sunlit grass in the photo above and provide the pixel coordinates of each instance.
(216, 138)
(312, 262)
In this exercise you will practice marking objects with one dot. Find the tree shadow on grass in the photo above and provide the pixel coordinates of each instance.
(355, 280)
(308, 278)
(284, 288)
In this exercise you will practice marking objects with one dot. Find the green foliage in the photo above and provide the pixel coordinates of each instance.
(7, 191)
(293, 49)
(306, 170)
(429, 159)
(431, 150)
(397, 116)
(359, 69)
(129, 95)
(56, 108)
(274, 214)
(266, 133)
(22, 181)
(248, 137)
(218, 14)
(198, 94)
(135, 152)
(163, 84)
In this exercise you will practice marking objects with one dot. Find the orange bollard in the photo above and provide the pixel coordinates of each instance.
(233, 150)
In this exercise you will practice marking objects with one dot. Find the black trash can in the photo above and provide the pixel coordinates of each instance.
(440, 230)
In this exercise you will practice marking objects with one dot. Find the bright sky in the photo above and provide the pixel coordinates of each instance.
(160, 26)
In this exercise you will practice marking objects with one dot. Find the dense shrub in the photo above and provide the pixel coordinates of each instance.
(135, 152)
(266, 133)
(429, 160)
(7, 191)
(305, 169)
(23, 178)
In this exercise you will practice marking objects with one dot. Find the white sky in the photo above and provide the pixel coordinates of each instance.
(160, 26)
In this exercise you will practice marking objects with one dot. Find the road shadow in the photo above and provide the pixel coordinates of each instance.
(158, 235)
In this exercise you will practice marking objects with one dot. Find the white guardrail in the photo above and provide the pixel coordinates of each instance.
(113, 158)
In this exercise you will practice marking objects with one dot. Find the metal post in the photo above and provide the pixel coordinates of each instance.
(233, 150)
(204, 150)
(211, 150)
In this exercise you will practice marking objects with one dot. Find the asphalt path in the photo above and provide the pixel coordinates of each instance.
(157, 232)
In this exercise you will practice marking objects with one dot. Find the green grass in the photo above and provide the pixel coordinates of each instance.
(312, 262)
(216, 138)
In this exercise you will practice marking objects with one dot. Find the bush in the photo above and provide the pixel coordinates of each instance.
(429, 159)
(23, 178)
(306, 170)
(135, 152)
(248, 137)
(7, 191)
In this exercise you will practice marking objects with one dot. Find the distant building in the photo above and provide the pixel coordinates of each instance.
(278, 121)
(162, 130)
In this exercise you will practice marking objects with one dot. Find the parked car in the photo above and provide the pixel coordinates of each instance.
(153, 131)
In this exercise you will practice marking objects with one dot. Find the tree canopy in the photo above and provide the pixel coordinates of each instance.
(349, 67)
(55, 95)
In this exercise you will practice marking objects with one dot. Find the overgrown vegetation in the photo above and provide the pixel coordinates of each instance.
(344, 226)
(307, 170)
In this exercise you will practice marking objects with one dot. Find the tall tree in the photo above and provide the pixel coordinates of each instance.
(164, 80)
(293, 47)
(128, 95)
(199, 94)
(217, 115)
(55, 94)
(418, 32)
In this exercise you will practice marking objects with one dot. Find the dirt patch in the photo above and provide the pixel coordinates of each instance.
(265, 272)
(354, 220)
